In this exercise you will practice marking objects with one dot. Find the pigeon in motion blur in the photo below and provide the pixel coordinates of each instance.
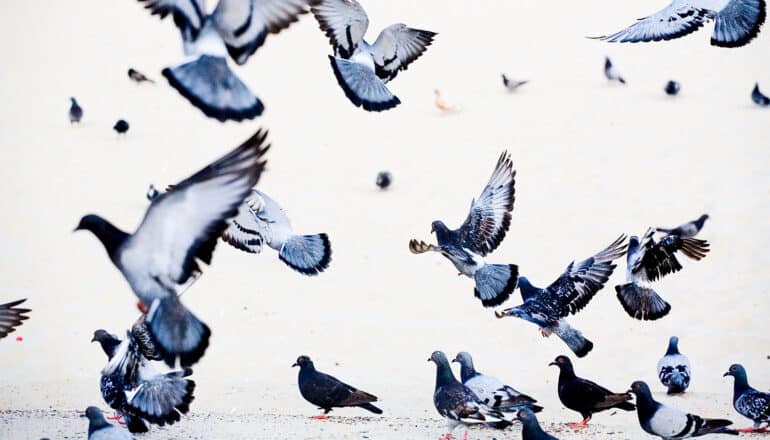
(138, 76)
(121, 127)
(749, 402)
(573, 290)
(511, 84)
(100, 429)
(736, 22)
(481, 233)
(674, 368)
(363, 69)
(134, 388)
(384, 179)
(236, 28)
(611, 72)
(672, 88)
(76, 111)
(491, 391)
(152, 193)
(687, 230)
(670, 423)
(759, 98)
(530, 427)
(647, 261)
(179, 231)
(328, 392)
(11, 317)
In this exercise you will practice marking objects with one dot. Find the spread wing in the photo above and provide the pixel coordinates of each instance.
(676, 20)
(397, 46)
(657, 260)
(245, 232)
(11, 317)
(344, 22)
(189, 15)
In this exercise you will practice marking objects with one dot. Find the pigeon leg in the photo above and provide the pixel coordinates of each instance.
(753, 429)
(116, 418)
(582, 424)
(447, 436)
(465, 437)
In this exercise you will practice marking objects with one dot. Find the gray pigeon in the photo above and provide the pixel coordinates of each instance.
(11, 317)
(687, 230)
(758, 97)
(749, 402)
(530, 427)
(674, 368)
(99, 429)
(611, 72)
(76, 111)
(138, 76)
(511, 84)
(672, 88)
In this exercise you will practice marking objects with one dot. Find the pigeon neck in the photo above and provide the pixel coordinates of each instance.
(672, 348)
(308, 368)
(96, 424)
(700, 221)
(566, 372)
(467, 371)
(646, 406)
(444, 375)
(110, 236)
(109, 347)
(531, 430)
(741, 385)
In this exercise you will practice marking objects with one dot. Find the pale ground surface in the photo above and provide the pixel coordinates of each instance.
(594, 160)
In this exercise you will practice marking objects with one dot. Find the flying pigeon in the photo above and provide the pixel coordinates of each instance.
(76, 111)
(179, 231)
(136, 390)
(261, 220)
(531, 429)
(511, 84)
(611, 72)
(152, 193)
(758, 98)
(647, 261)
(584, 396)
(670, 423)
(674, 368)
(672, 88)
(99, 429)
(572, 291)
(361, 69)
(483, 230)
(138, 76)
(236, 28)
(11, 317)
(736, 22)
(328, 392)
(749, 402)
(490, 390)
(121, 127)
(687, 230)
(457, 403)
(384, 179)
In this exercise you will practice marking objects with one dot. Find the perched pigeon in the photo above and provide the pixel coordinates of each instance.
(76, 111)
(11, 317)
(672, 88)
(483, 230)
(647, 261)
(133, 388)
(457, 403)
(749, 402)
(152, 193)
(737, 22)
(328, 392)
(758, 98)
(511, 84)
(572, 291)
(687, 230)
(99, 429)
(490, 390)
(674, 368)
(236, 28)
(670, 423)
(121, 127)
(531, 429)
(611, 72)
(138, 76)
(261, 220)
(384, 179)
(362, 69)
(179, 231)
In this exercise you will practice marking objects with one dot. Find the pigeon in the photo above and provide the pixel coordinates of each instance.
(363, 69)
(481, 233)
(611, 72)
(670, 423)
(121, 127)
(736, 22)
(100, 429)
(236, 28)
(584, 396)
(531, 429)
(384, 179)
(457, 403)
(328, 392)
(76, 111)
(758, 98)
(152, 193)
(11, 317)
(570, 293)
(490, 390)
(261, 220)
(687, 230)
(134, 388)
(647, 261)
(512, 85)
(443, 105)
(674, 368)
(138, 76)
(749, 402)
(179, 231)
(672, 88)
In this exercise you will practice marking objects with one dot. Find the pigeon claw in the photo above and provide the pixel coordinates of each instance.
(579, 425)
(544, 333)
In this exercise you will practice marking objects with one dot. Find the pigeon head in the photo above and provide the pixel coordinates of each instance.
(110, 236)
(524, 281)
(673, 345)
(93, 413)
(438, 227)
(439, 358)
(607, 63)
(73, 100)
(702, 219)
(107, 341)
(526, 416)
(633, 241)
(640, 389)
(737, 371)
(303, 362)
(131, 71)
(463, 358)
(562, 362)
(96, 420)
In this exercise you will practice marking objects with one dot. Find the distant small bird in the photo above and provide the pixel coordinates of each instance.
(674, 368)
(511, 84)
(759, 98)
(672, 88)
(138, 76)
(121, 126)
(152, 193)
(611, 72)
(442, 105)
(531, 429)
(584, 396)
(670, 423)
(749, 402)
(687, 230)
(76, 111)
(11, 317)
(328, 392)
(384, 179)
(99, 429)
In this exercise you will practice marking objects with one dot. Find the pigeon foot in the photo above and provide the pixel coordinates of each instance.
(320, 417)
(579, 425)
(448, 436)
(752, 429)
(115, 417)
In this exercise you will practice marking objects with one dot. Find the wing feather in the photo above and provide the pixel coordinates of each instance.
(344, 22)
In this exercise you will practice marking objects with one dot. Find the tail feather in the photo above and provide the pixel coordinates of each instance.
(642, 303)
(678, 383)
(573, 338)
(362, 86)
(163, 398)
(495, 283)
(370, 407)
(176, 332)
(715, 426)
(738, 23)
(134, 424)
(307, 254)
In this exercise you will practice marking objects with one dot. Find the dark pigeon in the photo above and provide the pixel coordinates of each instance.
(687, 230)
(511, 84)
(648, 261)
(584, 396)
(99, 429)
(138, 76)
(530, 427)
(611, 72)
(384, 179)
(674, 368)
(759, 98)
(571, 292)
(121, 127)
(152, 193)
(11, 317)
(76, 111)
(481, 233)
(750, 403)
(179, 232)
(672, 88)
(670, 423)
(328, 392)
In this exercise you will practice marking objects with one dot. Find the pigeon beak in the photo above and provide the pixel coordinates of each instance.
(500, 314)
(553, 363)
(429, 359)
(726, 374)
(93, 339)
(294, 365)
(455, 360)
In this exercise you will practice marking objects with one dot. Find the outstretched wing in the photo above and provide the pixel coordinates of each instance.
(189, 15)
(11, 317)
(397, 46)
(659, 259)
(676, 20)
(344, 22)
(245, 232)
